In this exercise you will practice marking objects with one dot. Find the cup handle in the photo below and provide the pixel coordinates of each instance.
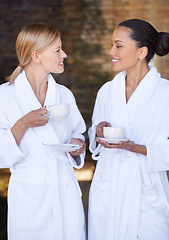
(47, 114)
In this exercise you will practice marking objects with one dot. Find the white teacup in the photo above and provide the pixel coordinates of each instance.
(59, 111)
(113, 132)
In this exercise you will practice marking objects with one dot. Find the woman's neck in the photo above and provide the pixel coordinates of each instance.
(38, 82)
(134, 77)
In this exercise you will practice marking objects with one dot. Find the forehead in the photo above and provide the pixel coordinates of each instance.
(58, 43)
(122, 34)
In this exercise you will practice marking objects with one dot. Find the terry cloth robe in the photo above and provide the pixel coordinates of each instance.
(44, 198)
(129, 194)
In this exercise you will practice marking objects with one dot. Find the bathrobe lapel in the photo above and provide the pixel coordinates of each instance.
(28, 102)
(127, 113)
(143, 93)
(118, 116)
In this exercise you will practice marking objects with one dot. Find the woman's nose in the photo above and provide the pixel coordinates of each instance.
(111, 52)
(64, 55)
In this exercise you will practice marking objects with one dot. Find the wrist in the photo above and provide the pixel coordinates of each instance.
(23, 124)
(141, 149)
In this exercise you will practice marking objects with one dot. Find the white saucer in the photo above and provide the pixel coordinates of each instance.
(114, 141)
(65, 147)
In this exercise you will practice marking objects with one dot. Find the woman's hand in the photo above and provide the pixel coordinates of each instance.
(35, 118)
(78, 141)
(99, 128)
(129, 146)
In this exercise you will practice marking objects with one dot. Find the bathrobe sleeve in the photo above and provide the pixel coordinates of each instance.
(158, 156)
(78, 128)
(98, 116)
(10, 153)
(158, 149)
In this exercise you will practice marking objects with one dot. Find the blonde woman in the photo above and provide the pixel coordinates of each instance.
(44, 198)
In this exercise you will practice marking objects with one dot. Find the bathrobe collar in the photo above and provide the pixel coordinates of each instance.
(29, 102)
(144, 91)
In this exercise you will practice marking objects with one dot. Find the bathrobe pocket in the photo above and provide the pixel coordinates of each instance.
(30, 203)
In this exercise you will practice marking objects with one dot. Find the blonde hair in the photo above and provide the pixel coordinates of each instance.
(34, 37)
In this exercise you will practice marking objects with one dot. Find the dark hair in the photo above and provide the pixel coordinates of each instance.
(146, 35)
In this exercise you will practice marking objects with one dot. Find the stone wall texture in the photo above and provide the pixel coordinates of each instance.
(86, 27)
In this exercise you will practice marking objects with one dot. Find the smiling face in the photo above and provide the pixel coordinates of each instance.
(124, 51)
(52, 59)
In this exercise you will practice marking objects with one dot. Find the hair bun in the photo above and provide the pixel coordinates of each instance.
(163, 44)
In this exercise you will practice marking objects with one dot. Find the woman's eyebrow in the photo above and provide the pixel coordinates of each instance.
(119, 41)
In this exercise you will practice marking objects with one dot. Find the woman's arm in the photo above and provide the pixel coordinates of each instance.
(129, 146)
(34, 118)
(10, 152)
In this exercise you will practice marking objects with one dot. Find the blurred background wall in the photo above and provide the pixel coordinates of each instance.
(86, 27)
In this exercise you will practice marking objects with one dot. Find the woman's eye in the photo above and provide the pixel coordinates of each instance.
(58, 50)
(118, 46)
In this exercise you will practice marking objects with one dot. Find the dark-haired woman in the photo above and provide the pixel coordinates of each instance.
(129, 195)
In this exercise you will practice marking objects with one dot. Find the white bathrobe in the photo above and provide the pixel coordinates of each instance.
(129, 195)
(44, 198)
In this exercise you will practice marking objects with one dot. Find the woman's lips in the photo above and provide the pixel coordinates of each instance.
(115, 60)
(61, 64)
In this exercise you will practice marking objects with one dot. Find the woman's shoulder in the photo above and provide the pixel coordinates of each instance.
(111, 83)
(106, 86)
(65, 90)
(5, 88)
(7, 93)
(165, 82)
(164, 86)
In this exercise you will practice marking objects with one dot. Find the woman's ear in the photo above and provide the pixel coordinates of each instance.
(143, 51)
(35, 57)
